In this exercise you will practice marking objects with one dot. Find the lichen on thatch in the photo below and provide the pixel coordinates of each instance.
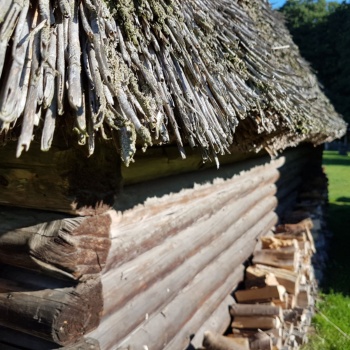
(213, 74)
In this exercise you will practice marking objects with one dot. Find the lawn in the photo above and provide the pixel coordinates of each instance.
(334, 304)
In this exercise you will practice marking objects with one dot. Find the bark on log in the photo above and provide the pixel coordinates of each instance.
(67, 248)
(61, 315)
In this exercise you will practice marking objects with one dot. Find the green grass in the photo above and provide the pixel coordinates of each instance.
(334, 302)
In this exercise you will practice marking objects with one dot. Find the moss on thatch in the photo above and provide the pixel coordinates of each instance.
(211, 74)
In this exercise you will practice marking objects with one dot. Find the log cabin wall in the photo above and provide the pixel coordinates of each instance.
(174, 254)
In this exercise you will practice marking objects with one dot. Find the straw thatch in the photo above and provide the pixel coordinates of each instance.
(216, 74)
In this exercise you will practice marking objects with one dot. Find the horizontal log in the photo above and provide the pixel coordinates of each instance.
(159, 162)
(138, 274)
(64, 180)
(67, 248)
(217, 322)
(255, 310)
(263, 294)
(258, 322)
(174, 213)
(159, 294)
(61, 315)
(163, 325)
(212, 314)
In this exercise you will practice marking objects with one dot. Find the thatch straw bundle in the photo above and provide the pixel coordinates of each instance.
(209, 73)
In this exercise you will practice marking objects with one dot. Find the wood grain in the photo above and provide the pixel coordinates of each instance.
(67, 248)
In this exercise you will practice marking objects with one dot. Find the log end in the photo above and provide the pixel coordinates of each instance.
(80, 314)
(73, 247)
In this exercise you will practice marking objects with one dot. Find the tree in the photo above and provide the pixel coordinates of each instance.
(322, 32)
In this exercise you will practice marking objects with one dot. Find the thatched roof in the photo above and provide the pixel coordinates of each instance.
(213, 74)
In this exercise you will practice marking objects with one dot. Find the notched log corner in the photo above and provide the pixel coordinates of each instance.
(69, 248)
(61, 315)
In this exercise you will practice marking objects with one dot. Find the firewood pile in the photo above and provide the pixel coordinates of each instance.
(275, 309)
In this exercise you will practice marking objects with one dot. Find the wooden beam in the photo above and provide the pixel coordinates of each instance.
(159, 162)
(67, 248)
(63, 179)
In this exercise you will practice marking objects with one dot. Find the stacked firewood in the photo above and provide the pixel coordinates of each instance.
(274, 310)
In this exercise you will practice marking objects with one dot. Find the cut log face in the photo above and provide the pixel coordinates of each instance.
(288, 279)
(68, 248)
(283, 258)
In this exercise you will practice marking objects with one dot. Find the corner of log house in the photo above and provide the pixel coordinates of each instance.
(155, 271)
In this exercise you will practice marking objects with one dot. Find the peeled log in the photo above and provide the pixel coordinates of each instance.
(67, 248)
(61, 315)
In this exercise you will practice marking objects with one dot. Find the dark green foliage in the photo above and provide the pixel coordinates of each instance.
(322, 32)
